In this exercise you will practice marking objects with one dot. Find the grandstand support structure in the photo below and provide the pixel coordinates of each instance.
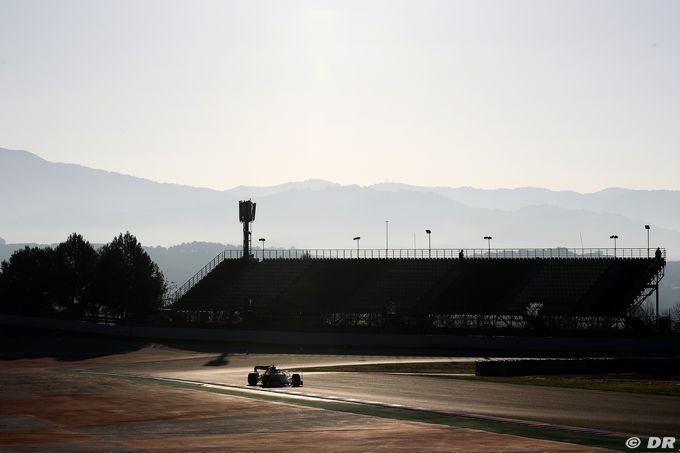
(495, 321)
(649, 289)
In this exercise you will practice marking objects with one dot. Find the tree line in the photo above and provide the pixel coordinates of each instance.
(74, 280)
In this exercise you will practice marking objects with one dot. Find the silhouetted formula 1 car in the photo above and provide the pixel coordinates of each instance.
(270, 376)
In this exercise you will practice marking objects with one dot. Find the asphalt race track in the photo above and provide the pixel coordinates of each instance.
(615, 412)
(610, 411)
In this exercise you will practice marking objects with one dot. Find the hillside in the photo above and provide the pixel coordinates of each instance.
(44, 202)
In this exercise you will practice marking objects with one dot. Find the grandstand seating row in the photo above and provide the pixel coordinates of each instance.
(577, 286)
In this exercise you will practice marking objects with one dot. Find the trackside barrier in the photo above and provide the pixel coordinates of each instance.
(346, 341)
(530, 367)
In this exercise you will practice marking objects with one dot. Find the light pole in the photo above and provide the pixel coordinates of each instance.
(429, 244)
(615, 237)
(357, 238)
(488, 240)
(647, 228)
(387, 237)
(262, 240)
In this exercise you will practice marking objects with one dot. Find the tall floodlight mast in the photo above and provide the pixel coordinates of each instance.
(246, 214)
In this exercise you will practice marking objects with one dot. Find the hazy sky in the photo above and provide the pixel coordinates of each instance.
(565, 95)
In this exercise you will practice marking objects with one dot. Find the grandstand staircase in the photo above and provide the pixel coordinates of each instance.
(204, 272)
(657, 271)
(204, 293)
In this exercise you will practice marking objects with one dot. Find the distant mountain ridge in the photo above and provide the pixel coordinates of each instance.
(44, 201)
(643, 205)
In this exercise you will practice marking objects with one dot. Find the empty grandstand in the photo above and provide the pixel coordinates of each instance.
(307, 290)
(420, 290)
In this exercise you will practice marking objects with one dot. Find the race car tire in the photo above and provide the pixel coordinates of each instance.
(296, 380)
(252, 379)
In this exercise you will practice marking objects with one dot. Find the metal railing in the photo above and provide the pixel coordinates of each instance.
(557, 252)
(205, 270)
